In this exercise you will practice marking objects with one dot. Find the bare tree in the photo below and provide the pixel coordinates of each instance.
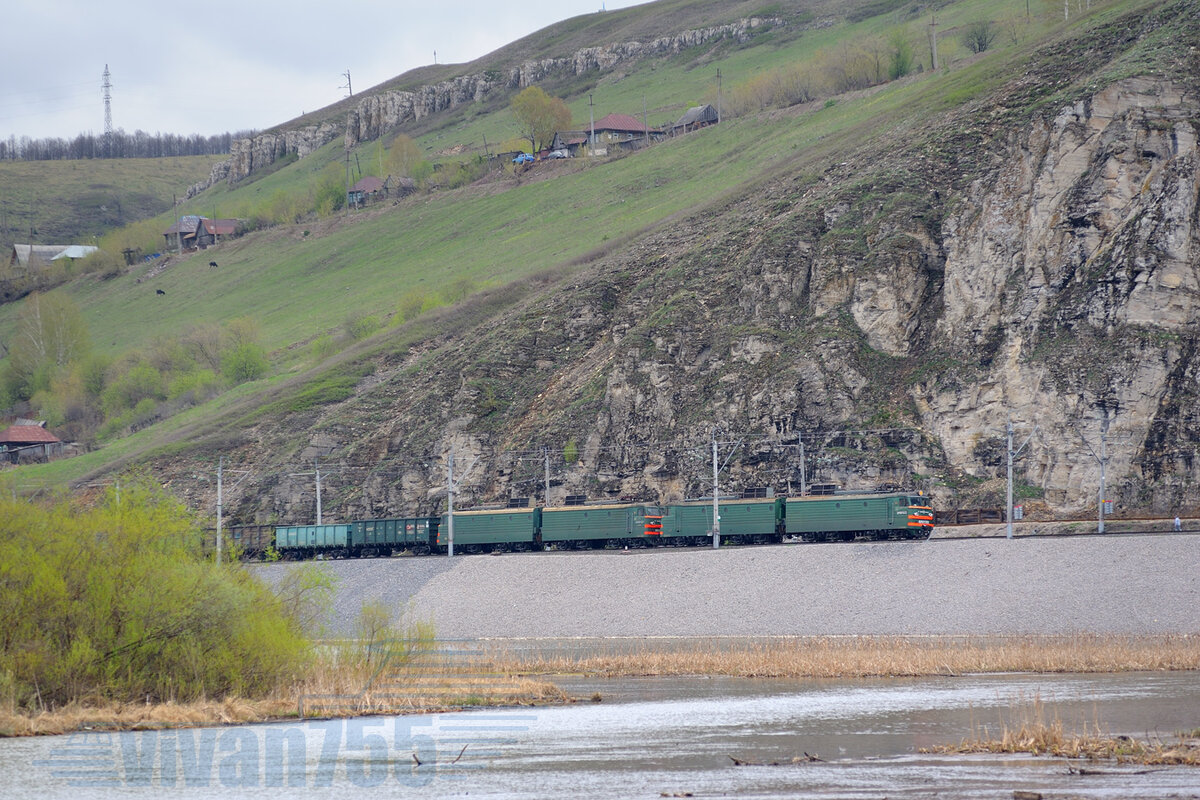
(979, 36)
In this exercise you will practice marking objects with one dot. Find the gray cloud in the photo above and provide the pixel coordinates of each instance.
(227, 66)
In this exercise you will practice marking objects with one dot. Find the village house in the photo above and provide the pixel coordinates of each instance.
(27, 256)
(367, 190)
(192, 232)
(695, 118)
(27, 440)
(622, 130)
(573, 142)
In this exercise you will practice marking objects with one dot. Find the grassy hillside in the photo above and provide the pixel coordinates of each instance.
(507, 237)
(75, 202)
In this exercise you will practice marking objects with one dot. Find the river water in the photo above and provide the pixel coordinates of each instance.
(648, 737)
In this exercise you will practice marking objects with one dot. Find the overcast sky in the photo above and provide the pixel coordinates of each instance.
(223, 66)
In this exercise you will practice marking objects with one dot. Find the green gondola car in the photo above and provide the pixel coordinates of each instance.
(305, 540)
(381, 536)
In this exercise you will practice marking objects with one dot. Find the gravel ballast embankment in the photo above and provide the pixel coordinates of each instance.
(1145, 584)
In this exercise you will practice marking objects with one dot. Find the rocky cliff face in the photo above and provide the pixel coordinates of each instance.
(1058, 287)
(1077, 264)
(382, 111)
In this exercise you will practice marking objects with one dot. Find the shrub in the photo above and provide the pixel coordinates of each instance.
(323, 347)
(246, 361)
(359, 326)
(979, 36)
(116, 601)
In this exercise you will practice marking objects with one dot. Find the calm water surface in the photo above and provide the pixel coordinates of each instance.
(645, 738)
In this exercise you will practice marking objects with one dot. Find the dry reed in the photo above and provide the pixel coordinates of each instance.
(339, 683)
(860, 656)
(1031, 731)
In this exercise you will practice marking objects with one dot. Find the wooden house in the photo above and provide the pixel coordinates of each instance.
(192, 232)
(695, 118)
(29, 442)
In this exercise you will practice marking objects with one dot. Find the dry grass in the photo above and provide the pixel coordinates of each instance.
(873, 656)
(422, 681)
(140, 716)
(1032, 732)
(340, 683)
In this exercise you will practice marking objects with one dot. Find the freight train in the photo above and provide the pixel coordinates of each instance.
(835, 517)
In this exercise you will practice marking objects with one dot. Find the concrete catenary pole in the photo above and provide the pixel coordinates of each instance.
(317, 470)
(716, 494)
(450, 505)
(220, 467)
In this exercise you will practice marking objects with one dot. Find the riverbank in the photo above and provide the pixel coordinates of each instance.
(846, 657)
(300, 702)
(508, 673)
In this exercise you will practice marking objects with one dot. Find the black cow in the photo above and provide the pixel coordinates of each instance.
(159, 291)
(212, 263)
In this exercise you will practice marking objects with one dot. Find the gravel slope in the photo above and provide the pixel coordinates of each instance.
(1043, 585)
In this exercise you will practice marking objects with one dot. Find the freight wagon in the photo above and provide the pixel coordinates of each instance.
(837, 517)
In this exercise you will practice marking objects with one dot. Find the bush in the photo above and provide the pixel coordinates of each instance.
(323, 347)
(359, 326)
(458, 290)
(246, 361)
(979, 36)
(117, 602)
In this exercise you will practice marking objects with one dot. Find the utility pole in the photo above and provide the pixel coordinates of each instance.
(450, 504)
(933, 39)
(645, 122)
(592, 117)
(1102, 459)
(803, 471)
(450, 499)
(546, 497)
(220, 506)
(1011, 455)
(716, 534)
(1103, 468)
(718, 95)
(221, 499)
(317, 470)
(347, 181)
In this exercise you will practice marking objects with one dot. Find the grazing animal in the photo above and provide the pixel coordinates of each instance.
(212, 263)
(159, 291)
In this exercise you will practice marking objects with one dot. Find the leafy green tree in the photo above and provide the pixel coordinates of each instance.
(902, 60)
(404, 158)
(540, 116)
(50, 335)
(330, 194)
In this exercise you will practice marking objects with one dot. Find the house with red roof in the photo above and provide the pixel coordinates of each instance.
(29, 441)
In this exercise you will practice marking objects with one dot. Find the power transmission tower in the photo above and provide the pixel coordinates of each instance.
(108, 130)
(347, 87)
